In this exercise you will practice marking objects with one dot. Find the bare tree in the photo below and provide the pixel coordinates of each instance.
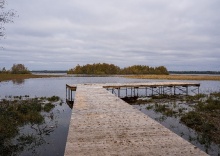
(6, 16)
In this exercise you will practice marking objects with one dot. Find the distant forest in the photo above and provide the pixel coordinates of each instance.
(195, 72)
(111, 69)
(49, 71)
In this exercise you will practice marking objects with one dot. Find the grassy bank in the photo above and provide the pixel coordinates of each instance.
(176, 77)
(7, 77)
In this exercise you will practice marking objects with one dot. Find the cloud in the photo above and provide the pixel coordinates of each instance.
(181, 35)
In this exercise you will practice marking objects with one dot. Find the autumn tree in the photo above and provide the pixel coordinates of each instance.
(111, 69)
(96, 68)
(19, 69)
(161, 70)
(142, 69)
(3, 70)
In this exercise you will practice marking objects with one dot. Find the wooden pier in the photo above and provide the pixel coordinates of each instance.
(103, 124)
(124, 90)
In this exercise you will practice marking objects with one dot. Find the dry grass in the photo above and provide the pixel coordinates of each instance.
(7, 77)
(176, 77)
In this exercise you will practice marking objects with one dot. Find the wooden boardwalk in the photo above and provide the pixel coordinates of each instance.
(103, 124)
(132, 89)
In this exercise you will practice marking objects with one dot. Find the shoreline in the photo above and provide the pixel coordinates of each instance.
(9, 77)
(175, 77)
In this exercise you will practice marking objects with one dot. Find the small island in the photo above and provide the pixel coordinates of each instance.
(111, 69)
(18, 72)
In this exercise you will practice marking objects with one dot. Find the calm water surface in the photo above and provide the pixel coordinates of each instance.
(55, 143)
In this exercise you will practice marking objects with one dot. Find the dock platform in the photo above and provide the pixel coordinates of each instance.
(124, 90)
(103, 124)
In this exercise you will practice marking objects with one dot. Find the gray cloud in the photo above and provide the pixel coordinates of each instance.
(181, 35)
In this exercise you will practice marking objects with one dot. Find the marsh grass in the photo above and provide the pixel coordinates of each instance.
(201, 113)
(53, 98)
(15, 113)
(164, 109)
(205, 118)
(175, 77)
(48, 107)
(7, 77)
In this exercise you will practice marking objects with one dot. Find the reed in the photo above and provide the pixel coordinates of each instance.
(7, 77)
(176, 77)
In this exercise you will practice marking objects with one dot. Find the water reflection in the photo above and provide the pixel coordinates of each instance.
(55, 142)
(26, 122)
(168, 113)
(70, 103)
(18, 81)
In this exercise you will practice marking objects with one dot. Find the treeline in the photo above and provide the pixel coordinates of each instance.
(195, 72)
(49, 71)
(111, 69)
(16, 69)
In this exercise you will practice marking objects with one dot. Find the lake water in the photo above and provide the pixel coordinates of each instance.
(55, 144)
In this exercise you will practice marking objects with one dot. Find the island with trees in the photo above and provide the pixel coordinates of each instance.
(16, 69)
(18, 72)
(111, 69)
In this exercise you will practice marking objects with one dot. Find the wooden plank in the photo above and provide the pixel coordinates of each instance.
(139, 85)
(103, 124)
(166, 84)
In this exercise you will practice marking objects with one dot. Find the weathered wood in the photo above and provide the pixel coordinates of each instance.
(103, 124)
(137, 86)
(72, 87)
(157, 84)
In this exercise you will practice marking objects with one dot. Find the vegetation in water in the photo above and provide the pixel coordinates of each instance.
(205, 119)
(111, 69)
(202, 113)
(48, 107)
(53, 98)
(24, 111)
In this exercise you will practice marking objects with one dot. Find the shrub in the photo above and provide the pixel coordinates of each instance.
(19, 69)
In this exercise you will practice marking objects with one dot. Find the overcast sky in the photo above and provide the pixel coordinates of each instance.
(59, 34)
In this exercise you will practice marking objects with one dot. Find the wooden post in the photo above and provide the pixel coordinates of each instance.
(119, 92)
(66, 92)
(71, 95)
